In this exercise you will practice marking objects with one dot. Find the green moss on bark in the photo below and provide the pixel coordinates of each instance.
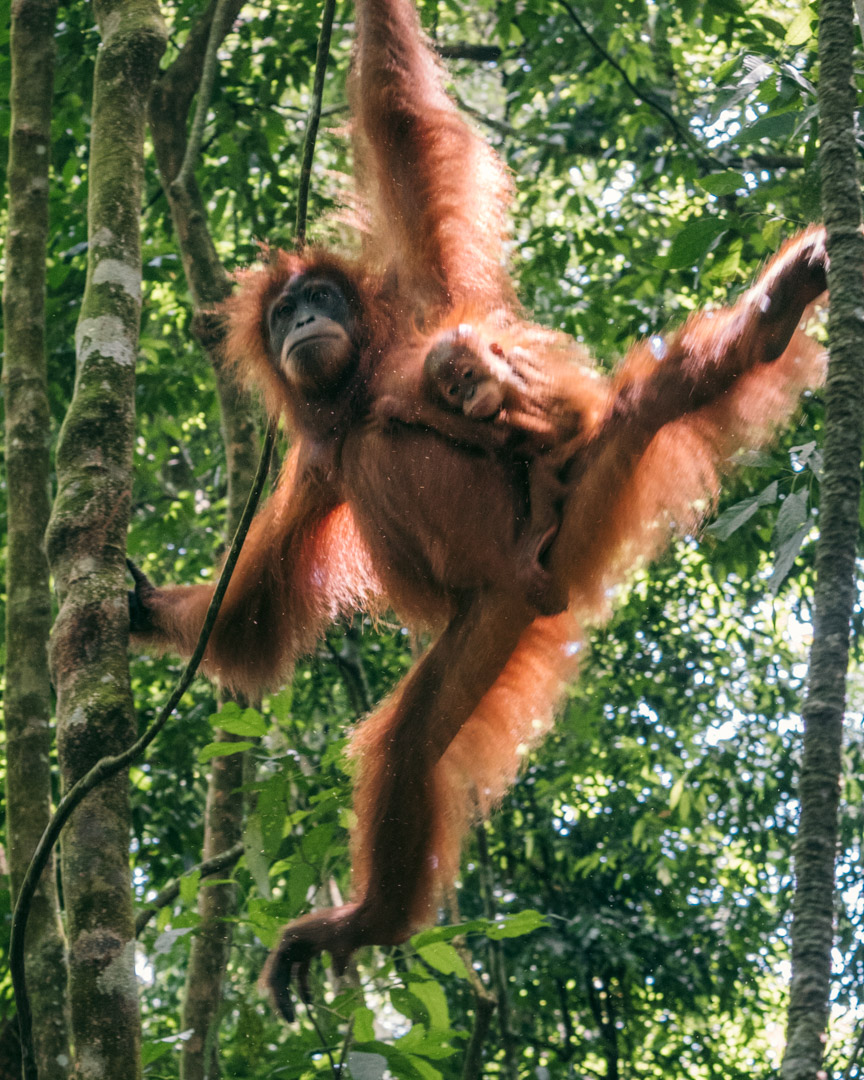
(27, 702)
(86, 544)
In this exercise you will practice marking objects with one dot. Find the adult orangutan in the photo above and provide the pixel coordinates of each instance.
(436, 523)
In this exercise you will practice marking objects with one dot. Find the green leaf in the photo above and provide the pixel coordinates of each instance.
(693, 243)
(271, 811)
(247, 722)
(404, 1002)
(280, 704)
(431, 994)
(799, 31)
(426, 1070)
(726, 69)
(794, 513)
(443, 958)
(676, 792)
(364, 1024)
(725, 183)
(788, 539)
(300, 879)
(525, 922)
(808, 455)
(222, 749)
(735, 516)
(189, 887)
(257, 863)
(152, 1051)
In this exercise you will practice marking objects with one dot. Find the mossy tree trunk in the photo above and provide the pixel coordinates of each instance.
(819, 787)
(86, 545)
(209, 285)
(27, 703)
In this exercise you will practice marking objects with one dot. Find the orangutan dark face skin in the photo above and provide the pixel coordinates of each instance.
(312, 325)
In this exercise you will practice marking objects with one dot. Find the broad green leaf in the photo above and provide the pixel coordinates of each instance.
(786, 555)
(694, 241)
(676, 792)
(247, 722)
(443, 958)
(189, 887)
(793, 514)
(525, 922)
(364, 1024)
(256, 861)
(725, 183)
(271, 811)
(222, 749)
(799, 31)
(735, 516)
(432, 996)
(300, 879)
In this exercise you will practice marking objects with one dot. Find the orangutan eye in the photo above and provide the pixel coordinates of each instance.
(320, 295)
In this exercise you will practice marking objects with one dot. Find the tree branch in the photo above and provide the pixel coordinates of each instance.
(466, 50)
(313, 121)
(223, 16)
(223, 861)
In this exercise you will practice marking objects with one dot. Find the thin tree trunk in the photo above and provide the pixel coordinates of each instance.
(497, 960)
(27, 704)
(819, 787)
(209, 285)
(86, 545)
(208, 958)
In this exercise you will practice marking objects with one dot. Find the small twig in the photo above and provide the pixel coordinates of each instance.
(327, 110)
(349, 1035)
(205, 93)
(485, 1004)
(501, 127)
(312, 122)
(310, 1012)
(497, 964)
(107, 767)
(223, 861)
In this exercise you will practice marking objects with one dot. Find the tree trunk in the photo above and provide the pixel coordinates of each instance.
(209, 285)
(27, 704)
(819, 787)
(208, 959)
(87, 543)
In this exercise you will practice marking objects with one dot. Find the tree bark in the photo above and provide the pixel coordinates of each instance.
(208, 958)
(86, 546)
(27, 704)
(819, 785)
(209, 285)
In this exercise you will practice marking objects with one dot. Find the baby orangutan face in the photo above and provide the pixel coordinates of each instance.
(459, 374)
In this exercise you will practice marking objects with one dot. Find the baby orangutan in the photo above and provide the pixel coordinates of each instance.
(475, 393)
